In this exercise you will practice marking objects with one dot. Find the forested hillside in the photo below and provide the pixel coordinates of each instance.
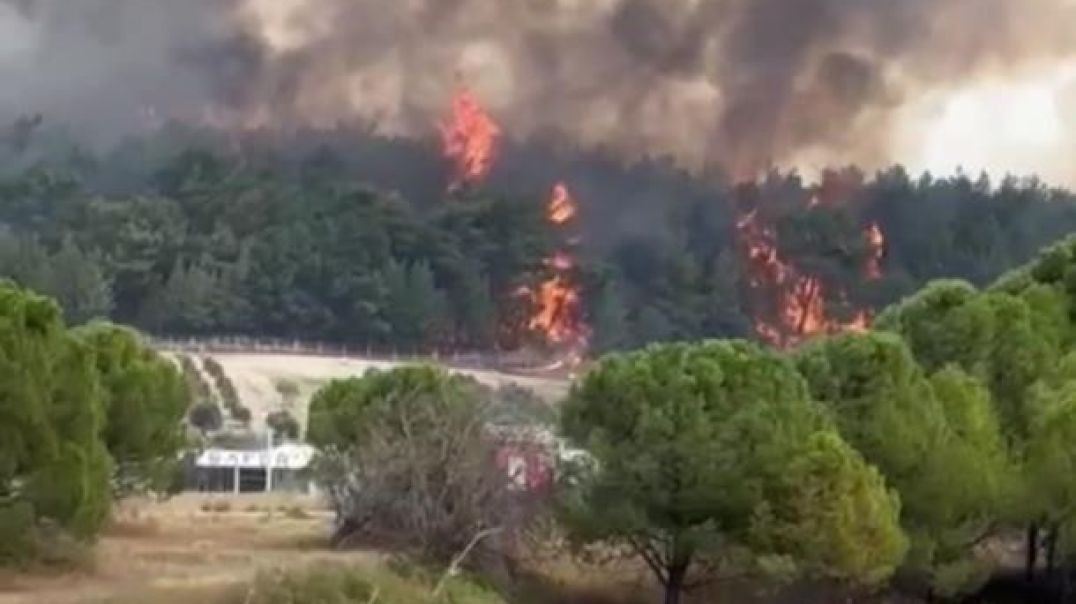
(355, 238)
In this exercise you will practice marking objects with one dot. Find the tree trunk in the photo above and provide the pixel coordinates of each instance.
(1066, 585)
(675, 584)
(1032, 552)
(1051, 553)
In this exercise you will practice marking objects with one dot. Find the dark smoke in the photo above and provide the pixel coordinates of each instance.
(737, 83)
(105, 67)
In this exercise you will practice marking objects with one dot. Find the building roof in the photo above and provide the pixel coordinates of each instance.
(287, 456)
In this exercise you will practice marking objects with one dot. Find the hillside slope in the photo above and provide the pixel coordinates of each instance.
(257, 376)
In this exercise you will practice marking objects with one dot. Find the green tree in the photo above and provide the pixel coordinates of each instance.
(1009, 337)
(415, 306)
(53, 464)
(283, 425)
(993, 335)
(146, 399)
(609, 318)
(699, 450)
(78, 283)
(1051, 455)
(937, 441)
(73, 277)
(475, 310)
(206, 416)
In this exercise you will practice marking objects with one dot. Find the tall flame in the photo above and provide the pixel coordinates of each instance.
(562, 208)
(558, 303)
(469, 140)
(876, 250)
(801, 299)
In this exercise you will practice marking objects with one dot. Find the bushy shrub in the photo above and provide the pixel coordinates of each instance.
(283, 425)
(228, 394)
(342, 585)
(408, 459)
(206, 416)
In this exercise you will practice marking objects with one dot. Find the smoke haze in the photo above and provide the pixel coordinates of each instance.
(741, 84)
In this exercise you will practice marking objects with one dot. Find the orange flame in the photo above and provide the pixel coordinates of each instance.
(562, 208)
(876, 246)
(469, 140)
(558, 303)
(558, 310)
(801, 303)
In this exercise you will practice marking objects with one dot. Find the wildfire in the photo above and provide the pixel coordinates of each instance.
(876, 247)
(469, 139)
(801, 299)
(562, 207)
(558, 306)
(558, 303)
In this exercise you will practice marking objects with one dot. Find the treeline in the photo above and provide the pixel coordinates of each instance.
(88, 414)
(348, 237)
(904, 458)
(962, 399)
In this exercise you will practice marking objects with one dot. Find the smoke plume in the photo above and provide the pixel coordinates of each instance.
(741, 84)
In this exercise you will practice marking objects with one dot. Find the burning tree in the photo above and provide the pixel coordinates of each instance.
(469, 140)
(790, 303)
(558, 301)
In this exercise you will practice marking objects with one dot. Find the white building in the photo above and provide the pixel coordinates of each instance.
(281, 468)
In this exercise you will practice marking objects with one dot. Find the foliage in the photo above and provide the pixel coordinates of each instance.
(145, 400)
(206, 417)
(288, 390)
(1051, 453)
(86, 413)
(342, 585)
(351, 237)
(997, 336)
(513, 404)
(197, 387)
(53, 464)
(701, 449)
(937, 441)
(242, 415)
(226, 388)
(408, 458)
(283, 425)
(74, 278)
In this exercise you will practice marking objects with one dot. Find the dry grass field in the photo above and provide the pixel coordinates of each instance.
(256, 377)
(191, 549)
(200, 549)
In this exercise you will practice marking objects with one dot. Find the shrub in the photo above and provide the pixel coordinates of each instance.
(206, 417)
(296, 513)
(228, 394)
(342, 585)
(288, 390)
(283, 425)
(241, 415)
(197, 387)
(408, 459)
